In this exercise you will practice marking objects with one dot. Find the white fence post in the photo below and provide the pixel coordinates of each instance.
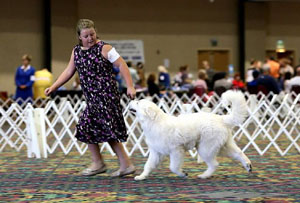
(33, 149)
(39, 120)
(36, 133)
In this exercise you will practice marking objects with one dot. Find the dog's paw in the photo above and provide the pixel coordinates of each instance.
(249, 168)
(139, 177)
(183, 174)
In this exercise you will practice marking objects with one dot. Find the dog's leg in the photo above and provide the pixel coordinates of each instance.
(235, 152)
(199, 159)
(152, 162)
(209, 157)
(212, 165)
(176, 162)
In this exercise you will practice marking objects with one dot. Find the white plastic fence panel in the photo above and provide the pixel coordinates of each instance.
(271, 119)
(13, 127)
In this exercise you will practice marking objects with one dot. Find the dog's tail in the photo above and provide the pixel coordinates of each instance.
(238, 107)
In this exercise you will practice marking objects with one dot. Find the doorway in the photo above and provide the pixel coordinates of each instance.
(289, 54)
(218, 59)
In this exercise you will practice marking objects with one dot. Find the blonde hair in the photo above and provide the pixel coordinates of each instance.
(27, 57)
(84, 24)
(162, 69)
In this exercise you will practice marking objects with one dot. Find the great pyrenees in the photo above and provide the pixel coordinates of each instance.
(173, 135)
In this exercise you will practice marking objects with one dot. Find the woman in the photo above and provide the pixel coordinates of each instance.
(24, 79)
(102, 120)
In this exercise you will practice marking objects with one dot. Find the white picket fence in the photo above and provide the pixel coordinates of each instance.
(271, 125)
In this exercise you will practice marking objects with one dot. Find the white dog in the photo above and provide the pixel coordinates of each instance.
(209, 133)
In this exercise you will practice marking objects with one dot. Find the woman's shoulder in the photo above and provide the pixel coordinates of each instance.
(77, 46)
(104, 46)
(102, 43)
(32, 68)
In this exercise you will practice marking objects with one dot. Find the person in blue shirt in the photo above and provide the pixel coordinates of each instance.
(164, 77)
(267, 81)
(255, 75)
(24, 80)
(252, 85)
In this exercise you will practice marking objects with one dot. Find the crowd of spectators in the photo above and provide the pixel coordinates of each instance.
(269, 76)
(272, 76)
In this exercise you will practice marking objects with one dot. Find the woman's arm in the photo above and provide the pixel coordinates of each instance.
(64, 76)
(17, 78)
(126, 75)
(121, 64)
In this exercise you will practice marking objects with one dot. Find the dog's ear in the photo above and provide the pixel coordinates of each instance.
(150, 111)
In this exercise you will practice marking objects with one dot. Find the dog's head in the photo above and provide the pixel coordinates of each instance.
(144, 109)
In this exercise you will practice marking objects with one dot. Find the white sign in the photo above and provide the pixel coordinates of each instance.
(130, 50)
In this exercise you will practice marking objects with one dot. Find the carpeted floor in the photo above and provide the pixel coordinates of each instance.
(57, 179)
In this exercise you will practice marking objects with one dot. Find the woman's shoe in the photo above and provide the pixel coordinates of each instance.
(129, 170)
(91, 172)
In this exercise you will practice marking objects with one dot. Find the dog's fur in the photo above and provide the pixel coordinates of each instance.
(209, 133)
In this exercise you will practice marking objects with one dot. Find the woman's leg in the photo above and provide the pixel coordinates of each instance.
(122, 156)
(97, 160)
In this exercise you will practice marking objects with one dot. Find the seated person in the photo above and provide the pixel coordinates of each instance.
(200, 82)
(284, 80)
(267, 81)
(222, 81)
(255, 65)
(237, 83)
(252, 86)
(255, 75)
(152, 86)
(293, 81)
(183, 78)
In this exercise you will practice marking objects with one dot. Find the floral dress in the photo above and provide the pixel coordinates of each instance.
(102, 120)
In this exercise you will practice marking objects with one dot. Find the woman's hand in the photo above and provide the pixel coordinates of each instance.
(120, 63)
(48, 91)
(131, 92)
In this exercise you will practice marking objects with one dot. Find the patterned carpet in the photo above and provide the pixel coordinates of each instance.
(57, 179)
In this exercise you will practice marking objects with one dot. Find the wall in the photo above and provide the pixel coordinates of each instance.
(176, 31)
(284, 25)
(268, 22)
(170, 29)
(256, 20)
(63, 34)
(21, 26)
(176, 28)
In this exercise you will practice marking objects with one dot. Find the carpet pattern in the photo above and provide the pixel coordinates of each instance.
(57, 179)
